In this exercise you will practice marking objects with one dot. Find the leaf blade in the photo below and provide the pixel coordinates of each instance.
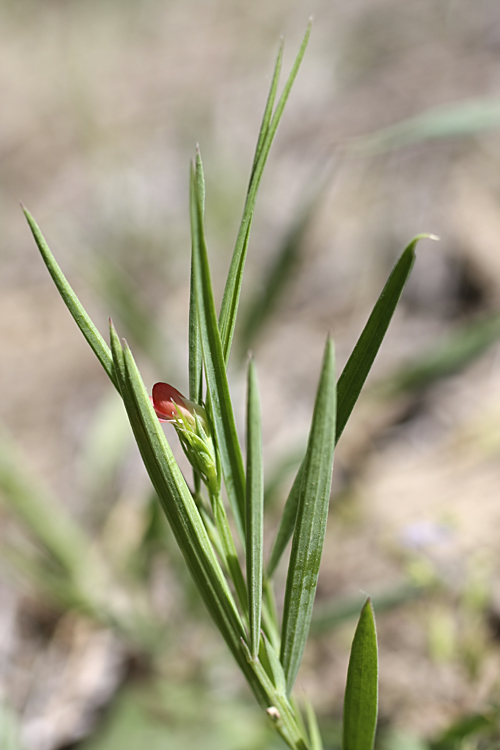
(215, 370)
(255, 510)
(361, 693)
(310, 526)
(232, 290)
(359, 364)
(76, 309)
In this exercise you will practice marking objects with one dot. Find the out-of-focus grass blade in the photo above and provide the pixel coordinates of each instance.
(287, 524)
(332, 614)
(280, 273)
(446, 358)
(106, 445)
(41, 515)
(451, 120)
(215, 370)
(361, 692)
(255, 510)
(279, 472)
(120, 290)
(83, 321)
(467, 726)
(310, 525)
(230, 299)
(361, 360)
(312, 725)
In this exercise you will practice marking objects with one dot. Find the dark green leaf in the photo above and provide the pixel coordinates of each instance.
(255, 509)
(361, 360)
(361, 693)
(310, 526)
(83, 321)
(215, 371)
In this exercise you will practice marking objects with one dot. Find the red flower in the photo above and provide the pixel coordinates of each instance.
(170, 405)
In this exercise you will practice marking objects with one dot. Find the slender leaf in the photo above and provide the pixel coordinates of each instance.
(361, 693)
(310, 527)
(352, 380)
(180, 508)
(255, 510)
(218, 388)
(230, 299)
(80, 316)
(361, 360)
(312, 724)
(268, 111)
(195, 352)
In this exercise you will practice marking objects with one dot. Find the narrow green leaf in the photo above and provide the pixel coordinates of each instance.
(215, 371)
(80, 316)
(232, 290)
(255, 510)
(361, 360)
(312, 725)
(310, 526)
(195, 352)
(352, 380)
(180, 508)
(268, 111)
(361, 693)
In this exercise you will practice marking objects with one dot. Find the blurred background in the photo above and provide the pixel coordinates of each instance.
(392, 128)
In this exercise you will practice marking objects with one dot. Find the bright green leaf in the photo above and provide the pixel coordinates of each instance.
(361, 693)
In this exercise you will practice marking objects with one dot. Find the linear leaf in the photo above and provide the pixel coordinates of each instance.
(310, 525)
(312, 725)
(230, 299)
(352, 380)
(255, 510)
(180, 508)
(215, 370)
(361, 693)
(80, 316)
(195, 352)
(361, 360)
